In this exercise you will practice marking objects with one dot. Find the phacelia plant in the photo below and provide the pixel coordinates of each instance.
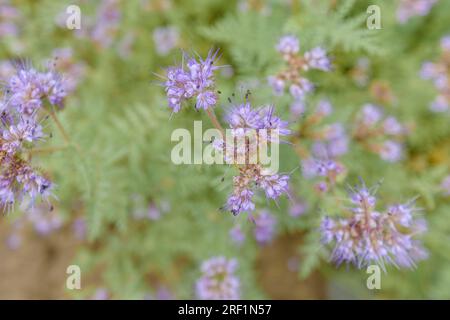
(439, 74)
(408, 9)
(289, 47)
(379, 134)
(366, 236)
(218, 280)
(249, 127)
(30, 97)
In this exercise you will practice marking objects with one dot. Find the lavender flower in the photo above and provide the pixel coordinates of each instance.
(317, 59)
(333, 143)
(258, 125)
(25, 93)
(316, 167)
(218, 281)
(411, 8)
(13, 241)
(7, 70)
(391, 126)
(439, 74)
(445, 185)
(378, 135)
(163, 293)
(9, 17)
(274, 185)
(107, 23)
(440, 104)
(391, 151)
(241, 199)
(291, 77)
(370, 114)
(288, 44)
(74, 71)
(237, 235)
(324, 108)
(80, 228)
(165, 39)
(14, 136)
(18, 180)
(264, 227)
(28, 90)
(44, 222)
(297, 209)
(445, 43)
(277, 85)
(368, 236)
(197, 81)
(297, 108)
(101, 294)
(299, 89)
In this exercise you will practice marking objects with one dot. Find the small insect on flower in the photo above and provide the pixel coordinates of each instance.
(218, 280)
(193, 79)
(365, 236)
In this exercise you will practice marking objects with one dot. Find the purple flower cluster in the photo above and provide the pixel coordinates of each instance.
(439, 74)
(237, 235)
(327, 169)
(28, 90)
(330, 140)
(25, 94)
(79, 228)
(289, 47)
(380, 134)
(43, 221)
(106, 23)
(252, 175)
(7, 70)
(150, 211)
(165, 39)
(266, 128)
(412, 8)
(368, 236)
(218, 280)
(265, 224)
(9, 16)
(103, 28)
(445, 186)
(193, 80)
(297, 208)
(101, 294)
(65, 63)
